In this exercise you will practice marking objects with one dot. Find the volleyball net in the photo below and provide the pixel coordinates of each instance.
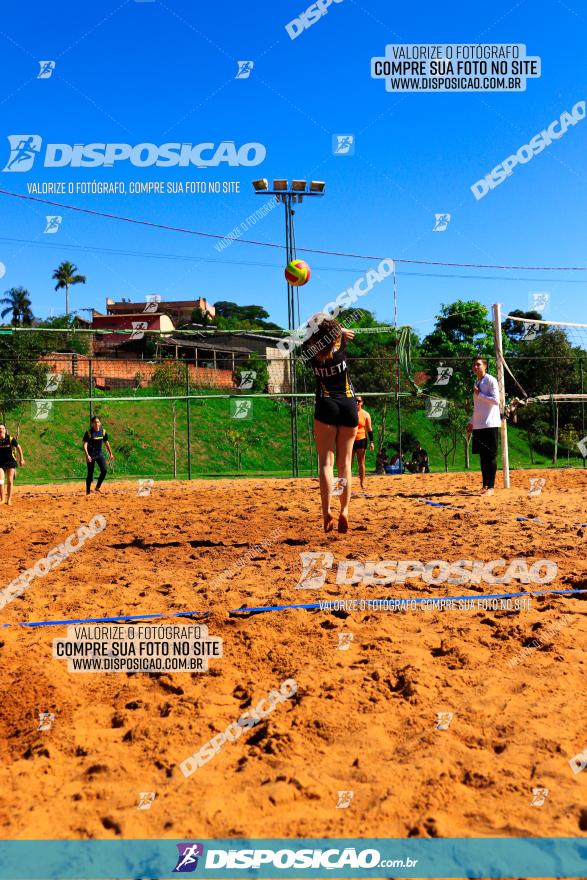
(544, 384)
(222, 403)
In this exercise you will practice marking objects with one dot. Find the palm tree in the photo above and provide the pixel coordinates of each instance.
(18, 302)
(65, 274)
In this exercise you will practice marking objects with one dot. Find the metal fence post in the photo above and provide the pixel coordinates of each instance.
(188, 411)
(91, 391)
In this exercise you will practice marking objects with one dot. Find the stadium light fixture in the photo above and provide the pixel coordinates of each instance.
(261, 185)
(280, 185)
(298, 185)
(317, 187)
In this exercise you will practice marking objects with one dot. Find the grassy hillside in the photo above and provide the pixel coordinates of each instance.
(141, 433)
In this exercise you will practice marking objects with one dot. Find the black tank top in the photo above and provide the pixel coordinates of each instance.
(7, 446)
(332, 375)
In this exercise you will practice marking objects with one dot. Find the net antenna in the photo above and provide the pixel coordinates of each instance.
(545, 363)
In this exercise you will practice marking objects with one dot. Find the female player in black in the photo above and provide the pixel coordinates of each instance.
(9, 450)
(92, 441)
(335, 416)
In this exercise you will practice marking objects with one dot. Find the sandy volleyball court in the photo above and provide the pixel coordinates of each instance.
(364, 720)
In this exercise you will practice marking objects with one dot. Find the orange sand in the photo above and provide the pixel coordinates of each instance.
(362, 720)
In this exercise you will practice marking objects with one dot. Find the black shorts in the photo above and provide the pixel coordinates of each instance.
(341, 411)
(485, 441)
(360, 444)
(8, 465)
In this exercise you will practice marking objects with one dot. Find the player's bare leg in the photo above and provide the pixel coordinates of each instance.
(360, 453)
(325, 436)
(9, 484)
(345, 438)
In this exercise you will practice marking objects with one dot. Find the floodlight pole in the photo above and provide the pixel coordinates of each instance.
(505, 459)
(291, 321)
(287, 196)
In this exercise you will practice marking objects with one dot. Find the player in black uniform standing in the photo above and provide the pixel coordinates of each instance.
(9, 449)
(93, 440)
(335, 416)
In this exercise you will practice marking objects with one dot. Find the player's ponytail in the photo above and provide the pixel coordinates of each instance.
(321, 343)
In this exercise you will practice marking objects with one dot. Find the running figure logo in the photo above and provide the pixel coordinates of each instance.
(53, 381)
(539, 795)
(146, 798)
(241, 409)
(538, 301)
(53, 224)
(530, 332)
(46, 720)
(537, 484)
(444, 374)
(24, 149)
(339, 485)
(436, 407)
(42, 410)
(46, 71)
(187, 860)
(345, 799)
(344, 641)
(152, 303)
(578, 762)
(244, 69)
(343, 145)
(443, 720)
(441, 222)
(137, 330)
(247, 377)
(314, 567)
(145, 487)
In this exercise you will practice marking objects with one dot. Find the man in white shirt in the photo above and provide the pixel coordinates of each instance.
(485, 423)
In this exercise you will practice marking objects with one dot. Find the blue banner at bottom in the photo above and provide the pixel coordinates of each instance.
(546, 857)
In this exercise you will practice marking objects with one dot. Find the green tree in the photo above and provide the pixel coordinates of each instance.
(535, 427)
(66, 275)
(462, 330)
(21, 375)
(546, 365)
(169, 378)
(257, 365)
(230, 316)
(372, 363)
(447, 431)
(199, 316)
(569, 437)
(241, 439)
(17, 300)
(69, 340)
(515, 331)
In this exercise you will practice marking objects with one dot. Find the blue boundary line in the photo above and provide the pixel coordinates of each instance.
(306, 607)
(470, 512)
(407, 600)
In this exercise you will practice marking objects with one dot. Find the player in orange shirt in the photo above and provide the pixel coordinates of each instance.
(360, 445)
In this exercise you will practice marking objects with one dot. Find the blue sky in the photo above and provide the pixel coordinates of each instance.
(156, 72)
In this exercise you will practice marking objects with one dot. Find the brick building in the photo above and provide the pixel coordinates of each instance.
(180, 311)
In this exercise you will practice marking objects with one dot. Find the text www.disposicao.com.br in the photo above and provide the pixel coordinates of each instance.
(135, 664)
